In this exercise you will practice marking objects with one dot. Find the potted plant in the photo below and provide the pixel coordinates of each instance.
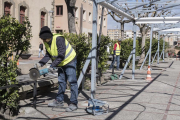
(25, 55)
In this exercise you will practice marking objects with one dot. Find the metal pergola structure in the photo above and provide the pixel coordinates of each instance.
(114, 6)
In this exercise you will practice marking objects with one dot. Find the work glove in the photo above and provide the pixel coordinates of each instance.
(37, 65)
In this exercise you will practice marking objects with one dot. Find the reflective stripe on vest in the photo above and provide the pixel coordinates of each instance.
(69, 55)
(118, 49)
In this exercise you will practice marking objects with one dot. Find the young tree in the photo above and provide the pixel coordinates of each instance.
(71, 15)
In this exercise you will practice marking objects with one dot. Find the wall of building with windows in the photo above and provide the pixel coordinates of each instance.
(61, 18)
(35, 10)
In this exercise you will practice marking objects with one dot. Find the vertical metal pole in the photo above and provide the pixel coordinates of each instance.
(150, 45)
(35, 94)
(144, 60)
(134, 51)
(154, 57)
(99, 40)
(163, 47)
(158, 49)
(126, 64)
(81, 18)
(94, 45)
(50, 22)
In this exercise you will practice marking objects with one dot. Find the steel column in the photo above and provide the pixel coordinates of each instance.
(81, 77)
(154, 57)
(129, 58)
(150, 45)
(144, 60)
(134, 51)
(94, 46)
(158, 49)
(163, 47)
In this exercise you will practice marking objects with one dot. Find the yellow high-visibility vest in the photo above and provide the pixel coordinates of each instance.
(118, 49)
(69, 55)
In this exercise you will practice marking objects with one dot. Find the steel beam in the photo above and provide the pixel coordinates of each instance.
(115, 9)
(157, 20)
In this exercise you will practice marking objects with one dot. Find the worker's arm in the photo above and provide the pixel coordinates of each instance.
(115, 45)
(45, 59)
(61, 47)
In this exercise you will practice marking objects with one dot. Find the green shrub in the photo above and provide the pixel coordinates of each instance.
(14, 37)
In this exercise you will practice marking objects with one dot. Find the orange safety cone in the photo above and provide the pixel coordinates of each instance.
(149, 74)
(18, 62)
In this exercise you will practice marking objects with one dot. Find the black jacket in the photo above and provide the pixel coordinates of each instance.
(61, 47)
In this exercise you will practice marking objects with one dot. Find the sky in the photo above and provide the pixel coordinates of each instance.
(112, 24)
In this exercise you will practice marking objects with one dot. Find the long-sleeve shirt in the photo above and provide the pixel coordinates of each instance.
(61, 47)
(115, 46)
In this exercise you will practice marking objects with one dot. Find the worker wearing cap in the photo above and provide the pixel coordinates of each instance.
(63, 56)
(116, 55)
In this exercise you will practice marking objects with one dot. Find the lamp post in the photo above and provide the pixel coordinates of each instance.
(50, 13)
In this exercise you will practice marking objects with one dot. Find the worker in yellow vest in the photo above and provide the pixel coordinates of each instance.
(116, 55)
(63, 56)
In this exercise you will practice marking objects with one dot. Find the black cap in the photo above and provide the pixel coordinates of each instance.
(119, 40)
(45, 33)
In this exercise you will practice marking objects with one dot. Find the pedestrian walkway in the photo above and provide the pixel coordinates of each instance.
(128, 99)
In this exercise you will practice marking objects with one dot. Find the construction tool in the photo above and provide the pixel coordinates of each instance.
(97, 107)
(35, 73)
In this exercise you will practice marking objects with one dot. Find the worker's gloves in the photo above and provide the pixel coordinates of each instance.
(51, 70)
(37, 65)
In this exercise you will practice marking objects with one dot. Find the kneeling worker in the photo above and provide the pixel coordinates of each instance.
(63, 56)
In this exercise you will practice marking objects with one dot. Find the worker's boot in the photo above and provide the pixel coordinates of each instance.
(55, 103)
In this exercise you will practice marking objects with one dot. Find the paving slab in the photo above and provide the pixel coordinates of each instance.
(128, 99)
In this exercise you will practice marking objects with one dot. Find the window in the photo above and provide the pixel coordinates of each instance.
(59, 10)
(104, 22)
(7, 8)
(59, 31)
(84, 15)
(99, 20)
(42, 19)
(22, 14)
(76, 12)
(90, 16)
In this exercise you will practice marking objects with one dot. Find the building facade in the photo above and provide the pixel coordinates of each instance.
(35, 10)
(83, 12)
(114, 34)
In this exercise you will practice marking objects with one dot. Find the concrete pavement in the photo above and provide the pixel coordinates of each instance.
(128, 99)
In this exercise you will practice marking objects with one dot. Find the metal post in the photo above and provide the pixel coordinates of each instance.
(99, 40)
(150, 45)
(161, 54)
(94, 45)
(134, 51)
(81, 18)
(35, 94)
(158, 49)
(144, 60)
(163, 47)
(154, 57)
(81, 76)
(126, 64)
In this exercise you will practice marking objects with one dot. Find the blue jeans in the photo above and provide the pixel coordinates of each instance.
(118, 61)
(68, 72)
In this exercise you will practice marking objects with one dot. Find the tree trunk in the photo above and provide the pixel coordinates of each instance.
(71, 15)
(142, 45)
(122, 30)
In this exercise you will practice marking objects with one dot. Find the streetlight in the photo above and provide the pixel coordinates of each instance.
(50, 13)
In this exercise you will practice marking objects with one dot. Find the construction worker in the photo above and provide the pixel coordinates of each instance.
(63, 56)
(116, 55)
